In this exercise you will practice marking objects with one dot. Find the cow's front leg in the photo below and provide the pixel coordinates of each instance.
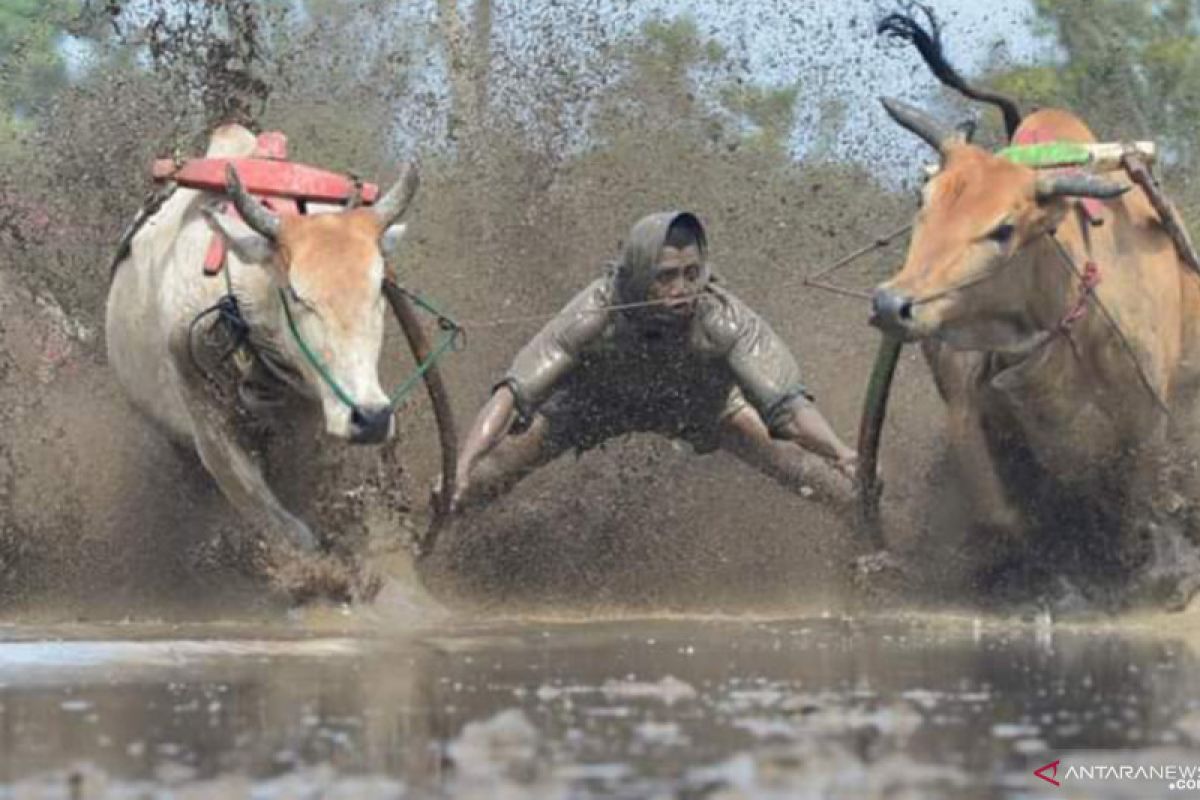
(238, 476)
(991, 508)
(959, 377)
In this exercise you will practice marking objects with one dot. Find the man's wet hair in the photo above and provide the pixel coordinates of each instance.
(686, 230)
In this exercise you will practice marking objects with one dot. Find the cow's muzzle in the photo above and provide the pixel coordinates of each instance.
(370, 425)
(892, 311)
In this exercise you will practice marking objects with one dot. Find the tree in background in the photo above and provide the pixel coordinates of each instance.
(530, 117)
(27, 36)
(467, 55)
(1131, 69)
(349, 104)
(31, 65)
(215, 57)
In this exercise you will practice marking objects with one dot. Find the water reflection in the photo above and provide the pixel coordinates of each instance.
(637, 708)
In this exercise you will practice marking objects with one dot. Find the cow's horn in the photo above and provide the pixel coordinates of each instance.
(392, 205)
(937, 135)
(1080, 184)
(256, 215)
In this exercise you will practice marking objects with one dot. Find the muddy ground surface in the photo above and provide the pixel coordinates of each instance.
(575, 131)
(636, 622)
(824, 706)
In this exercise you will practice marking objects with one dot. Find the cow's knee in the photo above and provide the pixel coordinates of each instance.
(990, 506)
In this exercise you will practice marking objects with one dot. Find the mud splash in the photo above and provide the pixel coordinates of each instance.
(826, 706)
(590, 123)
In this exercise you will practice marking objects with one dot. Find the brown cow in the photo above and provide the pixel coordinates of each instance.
(993, 286)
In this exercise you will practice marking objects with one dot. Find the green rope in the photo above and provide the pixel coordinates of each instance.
(451, 333)
(448, 339)
(443, 318)
(312, 357)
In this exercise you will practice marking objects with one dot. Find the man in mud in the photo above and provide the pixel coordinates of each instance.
(654, 346)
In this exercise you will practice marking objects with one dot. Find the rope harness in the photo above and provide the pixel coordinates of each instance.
(1087, 279)
(452, 336)
(1055, 155)
(1088, 283)
(229, 316)
(296, 184)
(1088, 292)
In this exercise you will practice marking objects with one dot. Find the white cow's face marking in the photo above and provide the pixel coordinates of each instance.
(331, 269)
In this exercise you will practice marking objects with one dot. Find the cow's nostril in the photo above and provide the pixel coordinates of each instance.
(370, 425)
(891, 309)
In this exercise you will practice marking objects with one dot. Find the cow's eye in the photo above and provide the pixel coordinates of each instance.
(1002, 233)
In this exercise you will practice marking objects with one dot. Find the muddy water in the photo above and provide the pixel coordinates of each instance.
(811, 707)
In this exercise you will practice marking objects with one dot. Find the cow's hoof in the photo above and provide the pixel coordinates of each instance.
(1173, 596)
(324, 579)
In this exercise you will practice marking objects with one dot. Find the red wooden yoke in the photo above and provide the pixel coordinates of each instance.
(283, 186)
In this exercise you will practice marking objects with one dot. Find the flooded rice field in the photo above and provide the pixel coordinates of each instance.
(544, 131)
(821, 707)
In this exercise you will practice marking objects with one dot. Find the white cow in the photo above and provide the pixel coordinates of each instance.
(325, 270)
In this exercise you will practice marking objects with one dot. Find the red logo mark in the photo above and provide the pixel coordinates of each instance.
(1052, 767)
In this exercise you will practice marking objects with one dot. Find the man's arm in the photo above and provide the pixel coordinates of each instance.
(490, 426)
(539, 366)
(806, 426)
(769, 376)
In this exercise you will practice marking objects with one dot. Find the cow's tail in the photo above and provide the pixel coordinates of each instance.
(929, 43)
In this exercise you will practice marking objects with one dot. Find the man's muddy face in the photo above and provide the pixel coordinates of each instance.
(677, 278)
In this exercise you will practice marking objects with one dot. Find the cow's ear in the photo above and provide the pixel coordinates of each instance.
(389, 240)
(250, 245)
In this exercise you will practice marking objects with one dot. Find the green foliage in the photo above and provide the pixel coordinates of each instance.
(1131, 69)
(677, 80)
(30, 64)
(21, 18)
(318, 84)
(1034, 85)
(32, 67)
(672, 47)
(769, 110)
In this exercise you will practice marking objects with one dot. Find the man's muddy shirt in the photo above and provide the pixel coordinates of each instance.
(649, 377)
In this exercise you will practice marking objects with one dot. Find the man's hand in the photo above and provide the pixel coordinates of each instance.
(493, 423)
(847, 464)
(454, 506)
